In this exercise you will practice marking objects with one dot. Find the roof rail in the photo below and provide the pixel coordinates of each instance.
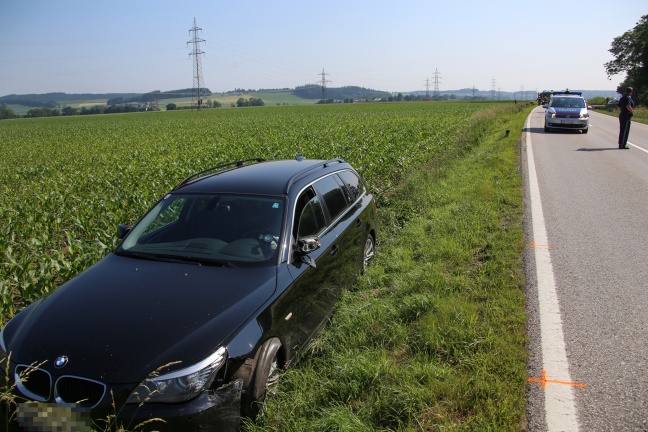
(300, 174)
(217, 170)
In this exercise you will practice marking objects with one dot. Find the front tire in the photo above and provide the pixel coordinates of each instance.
(266, 373)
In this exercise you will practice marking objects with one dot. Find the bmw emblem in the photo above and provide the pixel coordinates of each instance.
(60, 362)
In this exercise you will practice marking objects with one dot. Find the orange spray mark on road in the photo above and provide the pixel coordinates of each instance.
(535, 245)
(544, 381)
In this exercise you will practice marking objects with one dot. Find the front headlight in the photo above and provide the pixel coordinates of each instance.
(181, 385)
(584, 116)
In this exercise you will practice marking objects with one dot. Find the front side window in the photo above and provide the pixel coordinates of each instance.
(309, 215)
(168, 214)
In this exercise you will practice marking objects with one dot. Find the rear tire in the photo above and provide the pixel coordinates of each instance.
(369, 252)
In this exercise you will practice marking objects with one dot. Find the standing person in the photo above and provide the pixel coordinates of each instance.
(627, 111)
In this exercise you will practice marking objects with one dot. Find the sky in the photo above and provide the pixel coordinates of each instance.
(139, 46)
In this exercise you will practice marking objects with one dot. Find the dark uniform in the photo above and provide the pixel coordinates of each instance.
(624, 119)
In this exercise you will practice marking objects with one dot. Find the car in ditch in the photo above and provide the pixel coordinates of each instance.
(207, 297)
(567, 111)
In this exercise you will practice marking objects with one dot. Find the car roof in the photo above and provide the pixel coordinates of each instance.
(261, 177)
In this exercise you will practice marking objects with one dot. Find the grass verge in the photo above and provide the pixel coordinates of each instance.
(432, 337)
(640, 115)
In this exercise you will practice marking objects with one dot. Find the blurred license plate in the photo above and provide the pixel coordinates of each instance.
(40, 416)
(568, 122)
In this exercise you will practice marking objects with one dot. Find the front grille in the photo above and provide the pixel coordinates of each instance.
(79, 391)
(33, 383)
(36, 384)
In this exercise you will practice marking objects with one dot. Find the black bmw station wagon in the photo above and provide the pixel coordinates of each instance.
(207, 297)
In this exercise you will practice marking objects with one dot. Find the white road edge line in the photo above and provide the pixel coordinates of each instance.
(560, 407)
(637, 147)
(629, 143)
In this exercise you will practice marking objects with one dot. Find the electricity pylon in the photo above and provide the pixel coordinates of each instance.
(323, 83)
(196, 93)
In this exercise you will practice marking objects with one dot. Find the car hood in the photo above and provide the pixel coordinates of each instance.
(123, 318)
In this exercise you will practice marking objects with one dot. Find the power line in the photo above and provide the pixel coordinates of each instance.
(196, 94)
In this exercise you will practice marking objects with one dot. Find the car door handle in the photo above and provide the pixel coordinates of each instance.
(358, 223)
(334, 249)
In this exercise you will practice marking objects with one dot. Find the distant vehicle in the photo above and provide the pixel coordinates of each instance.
(543, 97)
(207, 297)
(613, 102)
(568, 111)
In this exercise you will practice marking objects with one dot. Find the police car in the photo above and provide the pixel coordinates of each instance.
(567, 110)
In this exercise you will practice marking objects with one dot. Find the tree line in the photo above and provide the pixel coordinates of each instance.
(54, 100)
(8, 113)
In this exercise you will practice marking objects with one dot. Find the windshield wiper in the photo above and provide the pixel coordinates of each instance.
(176, 258)
(154, 257)
(209, 261)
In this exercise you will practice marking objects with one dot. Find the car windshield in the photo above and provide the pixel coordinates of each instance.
(215, 229)
(567, 102)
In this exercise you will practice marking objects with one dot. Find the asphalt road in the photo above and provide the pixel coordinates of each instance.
(594, 198)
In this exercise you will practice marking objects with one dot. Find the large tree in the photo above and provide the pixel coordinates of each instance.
(630, 51)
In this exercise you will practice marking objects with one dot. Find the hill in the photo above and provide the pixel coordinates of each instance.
(314, 91)
(303, 95)
(55, 100)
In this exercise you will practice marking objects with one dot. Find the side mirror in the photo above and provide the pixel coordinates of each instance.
(122, 230)
(306, 245)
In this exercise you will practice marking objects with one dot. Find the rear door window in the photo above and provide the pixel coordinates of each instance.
(330, 190)
(354, 186)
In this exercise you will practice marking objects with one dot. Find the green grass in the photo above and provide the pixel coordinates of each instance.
(433, 336)
(640, 113)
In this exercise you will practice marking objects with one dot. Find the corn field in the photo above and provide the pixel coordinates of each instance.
(67, 182)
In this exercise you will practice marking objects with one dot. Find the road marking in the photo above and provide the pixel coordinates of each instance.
(544, 381)
(637, 147)
(560, 406)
